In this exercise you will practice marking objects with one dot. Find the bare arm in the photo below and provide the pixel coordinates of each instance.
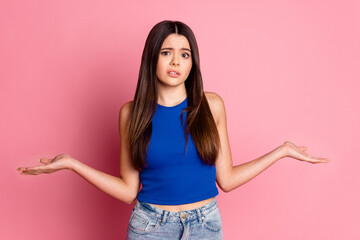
(230, 177)
(124, 188)
(240, 174)
(114, 186)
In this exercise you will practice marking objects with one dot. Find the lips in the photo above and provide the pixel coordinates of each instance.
(173, 73)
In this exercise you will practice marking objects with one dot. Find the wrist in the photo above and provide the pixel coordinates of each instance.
(282, 151)
(71, 164)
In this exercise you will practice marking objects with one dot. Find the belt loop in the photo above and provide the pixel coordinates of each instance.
(164, 217)
(199, 215)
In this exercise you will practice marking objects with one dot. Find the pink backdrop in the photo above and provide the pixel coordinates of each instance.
(287, 70)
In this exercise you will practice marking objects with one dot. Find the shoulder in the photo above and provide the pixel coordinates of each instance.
(126, 107)
(125, 110)
(124, 114)
(216, 104)
(214, 99)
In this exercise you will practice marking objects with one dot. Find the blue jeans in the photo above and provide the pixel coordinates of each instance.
(152, 223)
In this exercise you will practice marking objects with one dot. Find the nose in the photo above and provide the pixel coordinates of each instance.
(175, 61)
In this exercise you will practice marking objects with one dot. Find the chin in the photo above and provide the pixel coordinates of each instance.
(171, 83)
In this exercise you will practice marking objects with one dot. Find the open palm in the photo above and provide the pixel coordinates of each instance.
(298, 152)
(49, 165)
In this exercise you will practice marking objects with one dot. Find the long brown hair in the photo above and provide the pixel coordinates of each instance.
(199, 120)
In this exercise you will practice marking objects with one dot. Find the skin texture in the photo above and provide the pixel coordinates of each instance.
(171, 91)
(173, 56)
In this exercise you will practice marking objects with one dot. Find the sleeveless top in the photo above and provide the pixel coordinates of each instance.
(172, 175)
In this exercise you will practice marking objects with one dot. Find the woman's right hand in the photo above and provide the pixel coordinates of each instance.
(60, 162)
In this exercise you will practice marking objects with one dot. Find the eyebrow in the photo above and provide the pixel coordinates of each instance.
(186, 49)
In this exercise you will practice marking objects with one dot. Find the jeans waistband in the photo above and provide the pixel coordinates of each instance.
(165, 215)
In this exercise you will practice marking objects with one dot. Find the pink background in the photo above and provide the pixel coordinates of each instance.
(287, 70)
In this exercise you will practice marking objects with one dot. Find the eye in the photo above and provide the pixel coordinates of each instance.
(165, 53)
(186, 55)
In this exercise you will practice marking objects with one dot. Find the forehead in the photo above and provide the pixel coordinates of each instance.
(176, 41)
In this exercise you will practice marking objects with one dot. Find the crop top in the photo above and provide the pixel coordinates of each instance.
(172, 176)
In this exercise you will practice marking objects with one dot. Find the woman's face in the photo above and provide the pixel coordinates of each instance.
(175, 62)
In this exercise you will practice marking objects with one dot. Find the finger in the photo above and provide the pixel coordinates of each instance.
(45, 160)
(22, 170)
(27, 173)
(317, 160)
(302, 148)
(323, 160)
(36, 170)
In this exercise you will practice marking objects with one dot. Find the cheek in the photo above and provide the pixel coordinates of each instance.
(160, 65)
(188, 70)
(189, 67)
(159, 68)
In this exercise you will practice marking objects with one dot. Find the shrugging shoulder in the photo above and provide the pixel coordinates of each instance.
(224, 160)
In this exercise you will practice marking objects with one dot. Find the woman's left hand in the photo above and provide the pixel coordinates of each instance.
(298, 152)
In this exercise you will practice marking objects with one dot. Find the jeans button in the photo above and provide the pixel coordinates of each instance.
(183, 216)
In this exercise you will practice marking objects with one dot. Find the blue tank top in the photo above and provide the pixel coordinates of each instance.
(174, 176)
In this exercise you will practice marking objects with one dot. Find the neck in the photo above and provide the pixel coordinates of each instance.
(170, 96)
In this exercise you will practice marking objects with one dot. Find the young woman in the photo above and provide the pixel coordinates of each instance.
(174, 143)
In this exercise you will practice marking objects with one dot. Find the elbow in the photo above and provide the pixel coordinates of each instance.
(128, 196)
(229, 187)
(225, 187)
(130, 199)
(129, 202)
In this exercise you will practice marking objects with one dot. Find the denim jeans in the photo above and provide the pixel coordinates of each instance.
(152, 223)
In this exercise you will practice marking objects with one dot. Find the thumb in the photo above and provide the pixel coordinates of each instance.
(302, 148)
(45, 160)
